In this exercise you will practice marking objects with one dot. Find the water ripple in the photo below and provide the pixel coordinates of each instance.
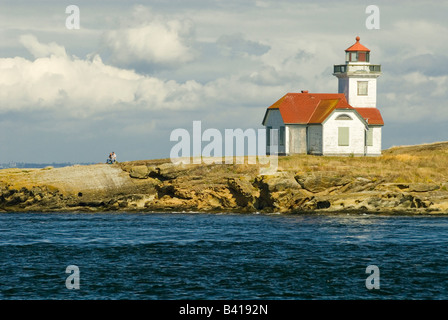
(201, 256)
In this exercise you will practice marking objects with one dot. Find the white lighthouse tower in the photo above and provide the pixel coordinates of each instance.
(357, 77)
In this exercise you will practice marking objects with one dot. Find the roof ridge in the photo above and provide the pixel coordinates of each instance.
(317, 107)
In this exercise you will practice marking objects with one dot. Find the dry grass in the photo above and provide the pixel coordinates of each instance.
(426, 163)
(416, 164)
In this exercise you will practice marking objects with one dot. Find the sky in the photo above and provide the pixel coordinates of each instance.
(136, 70)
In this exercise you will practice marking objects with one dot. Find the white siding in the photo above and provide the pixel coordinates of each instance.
(356, 134)
(275, 120)
(368, 101)
(375, 149)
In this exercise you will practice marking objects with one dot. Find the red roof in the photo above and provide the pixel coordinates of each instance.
(301, 107)
(357, 46)
(313, 108)
(371, 115)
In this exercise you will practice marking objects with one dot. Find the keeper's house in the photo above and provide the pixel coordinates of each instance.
(344, 123)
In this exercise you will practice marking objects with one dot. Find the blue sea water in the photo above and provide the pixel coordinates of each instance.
(222, 256)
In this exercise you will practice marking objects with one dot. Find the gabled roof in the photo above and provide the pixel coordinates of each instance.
(357, 46)
(371, 115)
(301, 107)
(314, 108)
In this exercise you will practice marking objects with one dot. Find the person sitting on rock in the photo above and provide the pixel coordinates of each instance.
(109, 160)
(114, 157)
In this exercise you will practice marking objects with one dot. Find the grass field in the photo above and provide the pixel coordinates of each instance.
(426, 163)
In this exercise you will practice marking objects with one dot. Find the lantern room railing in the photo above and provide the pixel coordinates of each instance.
(343, 68)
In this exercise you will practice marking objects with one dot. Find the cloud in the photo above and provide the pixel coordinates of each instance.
(151, 39)
(82, 87)
(72, 87)
(39, 50)
(236, 44)
(221, 61)
(428, 64)
(413, 97)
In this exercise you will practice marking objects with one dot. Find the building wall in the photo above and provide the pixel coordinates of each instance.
(375, 149)
(274, 120)
(315, 139)
(323, 139)
(368, 101)
(296, 141)
(356, 134)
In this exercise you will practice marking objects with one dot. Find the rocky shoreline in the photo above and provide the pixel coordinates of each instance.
(160, 186)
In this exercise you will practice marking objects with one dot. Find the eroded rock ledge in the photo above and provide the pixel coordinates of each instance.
(151, 186)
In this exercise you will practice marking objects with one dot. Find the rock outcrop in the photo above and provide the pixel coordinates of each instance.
(297, 187)
(208, 188)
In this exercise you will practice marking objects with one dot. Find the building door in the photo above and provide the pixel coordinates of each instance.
(314, 139)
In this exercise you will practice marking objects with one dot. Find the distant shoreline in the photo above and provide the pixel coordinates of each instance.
(30, 165)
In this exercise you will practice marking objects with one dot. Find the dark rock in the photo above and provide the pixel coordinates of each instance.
(243, 191)
(323, 204)
(278, 191)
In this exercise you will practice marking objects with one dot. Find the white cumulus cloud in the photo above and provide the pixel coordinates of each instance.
(151, 39)
(39, 50)
(82, 87)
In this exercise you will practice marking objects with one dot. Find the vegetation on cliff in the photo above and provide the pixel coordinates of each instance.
(412, 179)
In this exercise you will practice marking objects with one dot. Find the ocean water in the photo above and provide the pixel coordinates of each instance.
(222, 256)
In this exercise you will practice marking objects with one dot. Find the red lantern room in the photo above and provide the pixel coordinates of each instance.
(357, 53)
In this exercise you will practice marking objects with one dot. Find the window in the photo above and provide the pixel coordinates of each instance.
(343, 117)
(343, 136)
(369, 137)
(281, 138)
(362, 56)
(362, 88)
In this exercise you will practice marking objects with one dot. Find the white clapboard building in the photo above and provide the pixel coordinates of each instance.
(344, 123)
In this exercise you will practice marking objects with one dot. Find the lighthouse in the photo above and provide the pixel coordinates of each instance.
(357, 77)
(331, 124)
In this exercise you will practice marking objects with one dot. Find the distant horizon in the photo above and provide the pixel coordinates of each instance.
(31, 165)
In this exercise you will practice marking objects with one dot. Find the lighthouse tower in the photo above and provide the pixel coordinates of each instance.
(357, 77)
